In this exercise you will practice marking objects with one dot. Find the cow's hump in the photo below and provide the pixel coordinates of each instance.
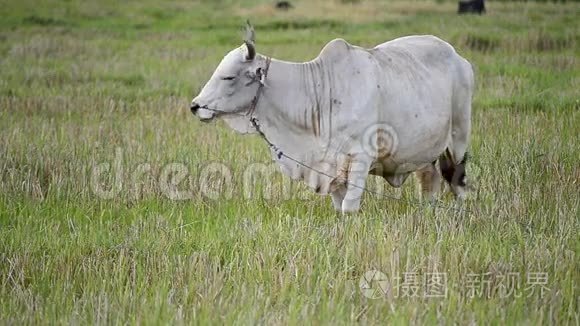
(335, 48)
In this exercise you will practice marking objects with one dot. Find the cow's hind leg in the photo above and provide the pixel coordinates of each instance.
(452, 162)
(461, 113)
(430, 181)
(454, 174)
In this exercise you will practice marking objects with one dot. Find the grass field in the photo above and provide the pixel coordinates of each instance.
(118, 206)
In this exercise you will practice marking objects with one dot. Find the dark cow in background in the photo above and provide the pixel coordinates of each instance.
(284, 5)
(472, 6)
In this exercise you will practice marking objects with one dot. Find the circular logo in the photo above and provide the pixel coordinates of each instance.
(374, 284)
(380, 140)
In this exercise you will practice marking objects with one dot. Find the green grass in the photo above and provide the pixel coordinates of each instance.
(85, 86)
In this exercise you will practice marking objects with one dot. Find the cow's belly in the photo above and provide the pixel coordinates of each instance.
(422, 130)
(416, 146)
(322, 172)
(412, 155)
(419, 142)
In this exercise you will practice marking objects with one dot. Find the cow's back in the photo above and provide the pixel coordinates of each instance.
(425, 54)
(429, 50)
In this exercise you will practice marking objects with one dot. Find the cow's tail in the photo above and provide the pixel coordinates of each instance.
(454, 173)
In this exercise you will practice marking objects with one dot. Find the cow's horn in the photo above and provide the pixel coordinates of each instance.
(251, 51)
(250, 35)
(249, 40)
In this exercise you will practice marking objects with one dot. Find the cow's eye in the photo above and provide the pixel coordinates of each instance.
(229, 78)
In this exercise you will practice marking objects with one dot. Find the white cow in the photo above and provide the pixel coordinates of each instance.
(391, 110)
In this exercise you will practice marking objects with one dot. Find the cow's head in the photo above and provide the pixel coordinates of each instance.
(233, 86)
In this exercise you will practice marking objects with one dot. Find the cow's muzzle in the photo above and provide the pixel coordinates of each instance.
(194, 107)
(202, 112)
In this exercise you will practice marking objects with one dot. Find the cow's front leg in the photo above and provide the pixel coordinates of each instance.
(337, 197)
(355, 186)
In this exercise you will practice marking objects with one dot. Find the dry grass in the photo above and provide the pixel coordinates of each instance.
(106, 85)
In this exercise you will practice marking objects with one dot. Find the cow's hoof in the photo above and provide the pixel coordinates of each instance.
(350, 206)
